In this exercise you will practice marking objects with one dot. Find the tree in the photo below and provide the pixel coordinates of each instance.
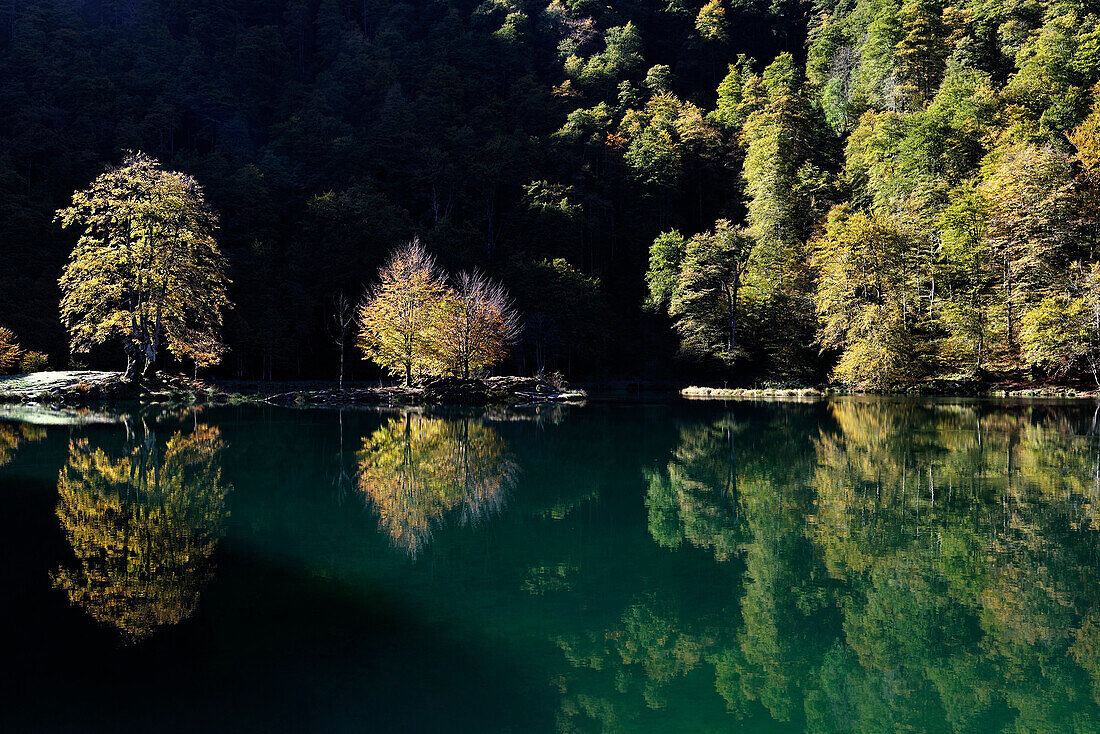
(782, 143)
(711, 21)
(1032, 230)
(865, 308)
(919, 57)
(9, 350)
(146, 269)
(1062, 332)
(341, 322)
(478, 327)
(400, 319)
(969, 274)
(700, 283)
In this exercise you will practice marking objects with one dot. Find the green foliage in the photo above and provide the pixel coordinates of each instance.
(1062, 331)
(511, 136)
(699, 281)
(567, 316)
(967, 270)
(864, 299)
(779, 170)
(711, 21)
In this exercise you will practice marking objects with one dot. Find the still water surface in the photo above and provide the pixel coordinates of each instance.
(856, 565)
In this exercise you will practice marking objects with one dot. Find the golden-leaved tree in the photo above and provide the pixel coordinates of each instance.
(403, 312)
(414, 321)
(9, 350)
(146, 270)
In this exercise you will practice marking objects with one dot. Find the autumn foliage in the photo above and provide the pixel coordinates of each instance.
(146, 270)
(414, 321)
(9, 350)
(419, 472)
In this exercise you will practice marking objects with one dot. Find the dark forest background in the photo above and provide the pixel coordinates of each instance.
(918, 180)
(325, 132)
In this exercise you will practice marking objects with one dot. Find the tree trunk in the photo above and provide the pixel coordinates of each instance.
(131, 362)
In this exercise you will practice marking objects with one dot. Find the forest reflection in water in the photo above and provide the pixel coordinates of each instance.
(849, 565)
(913, 567)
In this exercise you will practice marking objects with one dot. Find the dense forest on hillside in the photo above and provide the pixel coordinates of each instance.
(877, 190)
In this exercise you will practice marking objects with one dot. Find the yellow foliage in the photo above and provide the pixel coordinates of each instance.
(9, 350)
(416, 471)
(415, 323)
(400, 321)
(1086, 139)
(477, 327)
(146, 269)
(143, 527)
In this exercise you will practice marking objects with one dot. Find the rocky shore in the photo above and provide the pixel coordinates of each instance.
(937, 388)
(80, 388)
(85, 388)
(438, 391)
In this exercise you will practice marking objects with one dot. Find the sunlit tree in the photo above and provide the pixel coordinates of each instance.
(700, 282)
(479, 325)
(146, 269)
(862, 298)
(711, 21)
(9, 350)
(400, 320)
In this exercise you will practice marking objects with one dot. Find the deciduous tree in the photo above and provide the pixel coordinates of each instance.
(479, 325)
(146, 269)
(9, 350)
(862, 300)
(700, 283)
(399, 321)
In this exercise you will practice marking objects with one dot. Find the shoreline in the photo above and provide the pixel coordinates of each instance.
(919, 391)
(88, 388)
(99, 389)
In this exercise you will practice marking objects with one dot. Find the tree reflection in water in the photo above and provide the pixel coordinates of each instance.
(418, 472)
(906, 567)
(13, 435)
(143, 522)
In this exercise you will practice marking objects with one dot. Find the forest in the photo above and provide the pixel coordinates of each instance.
(871, 192)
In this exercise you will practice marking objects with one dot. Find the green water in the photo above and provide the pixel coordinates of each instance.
(851, 565)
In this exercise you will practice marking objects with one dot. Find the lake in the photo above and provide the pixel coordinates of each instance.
(840, 565)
